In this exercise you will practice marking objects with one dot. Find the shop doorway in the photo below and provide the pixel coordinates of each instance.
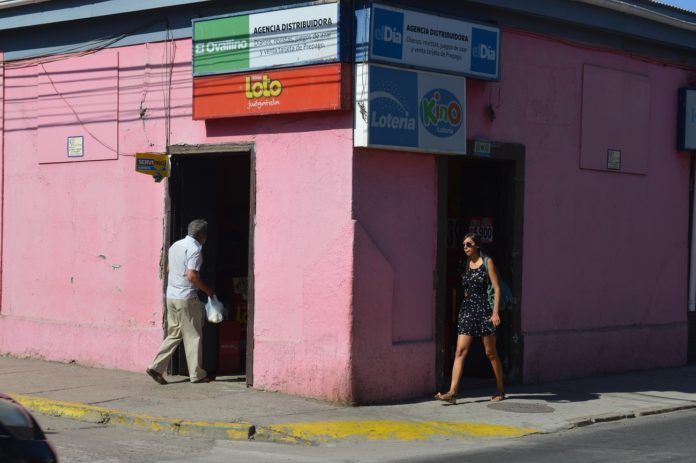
(481, 194)
(217, 186)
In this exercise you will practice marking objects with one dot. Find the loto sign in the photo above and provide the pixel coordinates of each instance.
(311, 88)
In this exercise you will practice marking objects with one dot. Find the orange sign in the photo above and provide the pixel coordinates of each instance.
(273, 91)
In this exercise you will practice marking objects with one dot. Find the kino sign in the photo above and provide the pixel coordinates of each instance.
(408, 38)
(270, 39)
(403, 109)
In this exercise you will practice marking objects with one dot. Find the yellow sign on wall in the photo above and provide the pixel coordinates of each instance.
(155, 164)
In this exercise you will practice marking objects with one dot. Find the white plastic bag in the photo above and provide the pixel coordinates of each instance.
(214, 310)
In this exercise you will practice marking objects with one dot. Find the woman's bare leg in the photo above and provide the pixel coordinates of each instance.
(492, 354)
(463, 344)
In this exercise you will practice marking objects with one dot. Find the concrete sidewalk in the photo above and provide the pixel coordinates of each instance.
(227, 409)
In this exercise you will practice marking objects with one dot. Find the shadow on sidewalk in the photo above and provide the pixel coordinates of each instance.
(671, 383)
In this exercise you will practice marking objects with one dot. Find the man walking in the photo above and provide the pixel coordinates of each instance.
(184, 309)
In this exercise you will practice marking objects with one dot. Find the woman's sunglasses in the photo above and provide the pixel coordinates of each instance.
(468, 245)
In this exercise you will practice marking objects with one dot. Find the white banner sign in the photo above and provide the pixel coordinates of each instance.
(265, 40)
(430, 42)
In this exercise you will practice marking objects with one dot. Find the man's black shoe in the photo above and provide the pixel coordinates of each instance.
(156, 376)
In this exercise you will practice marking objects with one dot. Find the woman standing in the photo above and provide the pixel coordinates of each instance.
(476, 316)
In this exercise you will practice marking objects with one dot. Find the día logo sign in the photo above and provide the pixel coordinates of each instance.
(484, 51)
(441, 112)
(388, 32)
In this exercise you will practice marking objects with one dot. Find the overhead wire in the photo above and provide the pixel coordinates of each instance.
(80, 50)
(168, 72)
(77, 116)
(169, 55)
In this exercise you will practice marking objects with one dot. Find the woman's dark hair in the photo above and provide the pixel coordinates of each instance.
(476, 238)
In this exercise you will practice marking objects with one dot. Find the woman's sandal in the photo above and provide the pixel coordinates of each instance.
(447, 397)
(499, 397)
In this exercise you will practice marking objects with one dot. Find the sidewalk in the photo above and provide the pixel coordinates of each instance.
(227, 409)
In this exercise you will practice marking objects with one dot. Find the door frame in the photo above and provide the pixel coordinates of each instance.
(232, 148)
(499, 151)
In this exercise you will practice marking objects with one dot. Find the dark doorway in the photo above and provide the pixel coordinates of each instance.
(482, 195)
(216, 187)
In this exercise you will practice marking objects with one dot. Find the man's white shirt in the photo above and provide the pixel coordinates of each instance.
(184, 254)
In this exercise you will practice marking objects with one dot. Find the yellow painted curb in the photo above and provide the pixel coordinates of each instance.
(299, 432)
(323, 431)
(92, 414)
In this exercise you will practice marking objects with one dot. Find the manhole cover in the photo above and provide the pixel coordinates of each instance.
(516, 407)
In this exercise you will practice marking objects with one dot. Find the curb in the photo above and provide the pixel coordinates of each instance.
(302, 433)
(101, 415)
(320, 432)
(313, 433)
(607, 417)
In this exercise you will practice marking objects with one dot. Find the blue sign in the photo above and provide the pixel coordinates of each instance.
(388, 34)
(484, 51)
(410, 110)
(393, 107)
(426, 41)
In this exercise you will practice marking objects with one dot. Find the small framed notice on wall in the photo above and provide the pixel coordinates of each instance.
(614, 159)
(76, 147)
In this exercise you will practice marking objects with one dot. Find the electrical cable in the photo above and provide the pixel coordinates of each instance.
(72, 52)
(168, 69)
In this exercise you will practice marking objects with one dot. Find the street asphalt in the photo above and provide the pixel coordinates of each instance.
(227, 409)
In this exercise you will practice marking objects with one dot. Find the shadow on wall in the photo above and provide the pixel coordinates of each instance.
(278, 124)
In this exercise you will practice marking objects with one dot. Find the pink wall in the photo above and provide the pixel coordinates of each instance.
(605, 254)
(394, 300)
(303, 244)
(82, 243)
(2, 157)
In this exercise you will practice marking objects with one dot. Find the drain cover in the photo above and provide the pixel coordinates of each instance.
(517, 407)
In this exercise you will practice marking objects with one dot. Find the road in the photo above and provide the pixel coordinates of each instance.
(660, 438)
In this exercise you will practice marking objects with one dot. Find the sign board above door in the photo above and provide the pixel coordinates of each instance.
(266, 39)
(426, 41)
(322, 87)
